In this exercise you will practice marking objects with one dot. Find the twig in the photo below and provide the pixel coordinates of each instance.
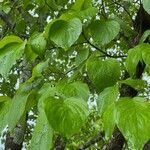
(103, 52)
(91, 142)
(124, 10)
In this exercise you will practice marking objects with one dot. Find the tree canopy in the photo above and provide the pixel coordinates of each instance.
(74, 74)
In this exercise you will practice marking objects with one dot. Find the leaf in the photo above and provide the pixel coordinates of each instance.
(88, 13)
(4, 108)
(104, 32)
(75, 89)
(106, 98)
(8, 56)
(47, 90)
(38, 43)
(81, 56)
(103, 73)
(42, 134)
(145, 49)
(65, 33)
(136, 54)
(18, 105)
(146, 5)
(81, 5)
(133, 120)
(38, 69)
(109, 120)
(135, 83)
(9, 39)
(145, 36)
(132, 60)
(66, 116)
(30, 55)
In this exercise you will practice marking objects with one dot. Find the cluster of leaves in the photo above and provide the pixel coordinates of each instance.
(68, 49)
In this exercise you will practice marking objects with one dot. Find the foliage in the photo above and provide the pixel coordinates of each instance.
(68, 62)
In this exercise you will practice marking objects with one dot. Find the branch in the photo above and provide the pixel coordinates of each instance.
(103, 52)
(124, 10)
(6, 19)
(59, 143)
(91, 142)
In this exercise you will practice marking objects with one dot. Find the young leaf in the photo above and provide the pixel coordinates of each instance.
(104, 32)
(65, 33)
(103, 73)
(66, 116)
(106, 98)
(133, 120)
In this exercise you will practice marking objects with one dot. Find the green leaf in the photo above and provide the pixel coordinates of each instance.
(146, 5)
(135, 83)
(47, 90)
(75, 89)
(38, 43)
(81, 5)
(145, 36)
(132, 60)
(88, 13)
(39, 69)
(106, 98)
(42, 134)
(103, 73)
(81, 56)
(136, 54)
(65, 33)
(145, 49)
(4, 109)
(66, 116)
(109, 120)
(8, 56)
(18, 105)
(30, 55)
(133, 120)
(104, 32)
(9, 39)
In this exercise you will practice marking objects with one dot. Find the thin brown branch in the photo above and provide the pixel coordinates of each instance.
(130, 16)
(103, 52)
(91, 142)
